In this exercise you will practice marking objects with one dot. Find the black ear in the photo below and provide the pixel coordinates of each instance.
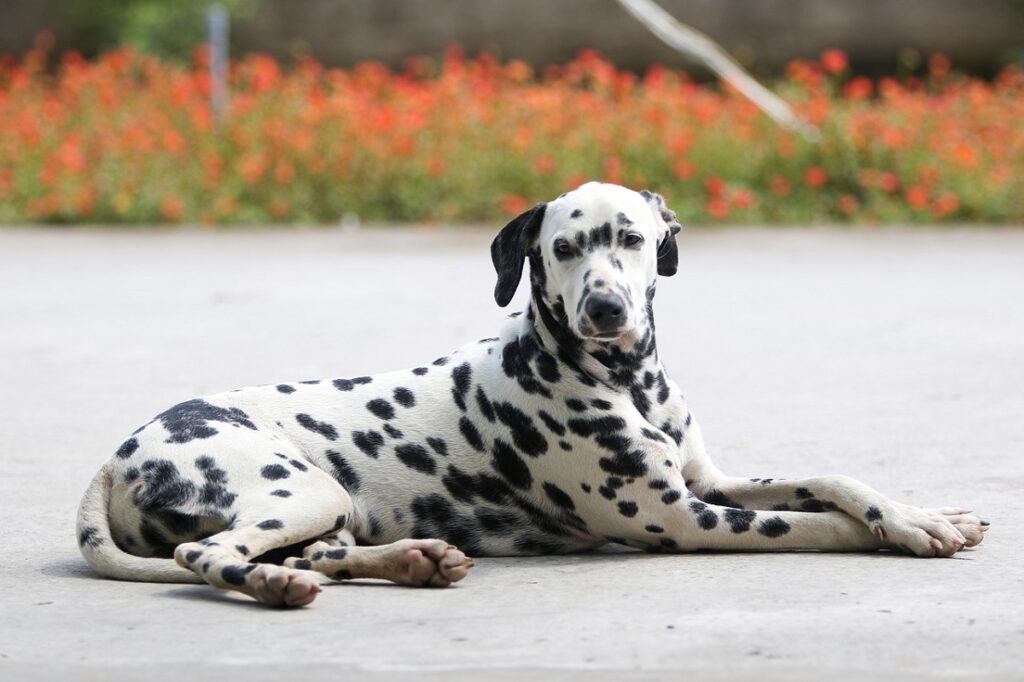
(508, 251)
(668, 251)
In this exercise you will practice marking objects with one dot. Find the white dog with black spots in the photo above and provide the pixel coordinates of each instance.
(560, 434)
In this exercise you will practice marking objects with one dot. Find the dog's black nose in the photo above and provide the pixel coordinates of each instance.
(607, 312)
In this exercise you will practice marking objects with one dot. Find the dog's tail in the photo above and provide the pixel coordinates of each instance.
(98, 547)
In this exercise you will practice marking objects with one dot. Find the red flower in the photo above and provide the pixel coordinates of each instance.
(834, 61)
(815, 176)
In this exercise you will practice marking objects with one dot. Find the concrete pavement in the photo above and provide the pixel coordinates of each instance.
(895, 356)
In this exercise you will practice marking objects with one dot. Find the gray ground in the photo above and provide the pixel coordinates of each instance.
(892, 356)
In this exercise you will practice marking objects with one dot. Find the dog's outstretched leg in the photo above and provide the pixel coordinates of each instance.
(891, 522)
(419, 563)
(268, 521)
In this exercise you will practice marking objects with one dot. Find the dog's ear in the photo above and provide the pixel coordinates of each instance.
(508, 251)
(668, 251)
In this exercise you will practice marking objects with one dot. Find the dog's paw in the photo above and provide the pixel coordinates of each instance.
(971, 526)
(431, 562)
(925, 532)
(281, 586)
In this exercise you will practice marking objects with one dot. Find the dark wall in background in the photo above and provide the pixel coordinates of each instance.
(979, 34)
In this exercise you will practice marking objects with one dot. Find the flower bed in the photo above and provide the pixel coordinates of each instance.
(128, 138)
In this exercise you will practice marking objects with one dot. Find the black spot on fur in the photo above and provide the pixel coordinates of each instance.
(510, 465)
(273, 472)
(547, 367)
(558, 496)
(628, 509)
(369, 442)
(344, 472)
(404, 397)
(190, 420)
(486, 409)
(416, 457)
(575, 405)
(607, 492)
(441, 361)
(873, 514)
(706, 518)
(281, 492)
(524, 434)
(803, 494)
(716, 496)
(89, 537)
(298, 465)
(651, 528)
(393, 432)
(438, 445)
(323, 428)
(671, 496)
(601, 425)
(420, 371)
(285, 388)
(553, 424)
(270, 524)
(565, 445)
(381, 408)
(127, 448)
(773, 527)
(163, 487)
(577, 213)
(462, 377)
(234, 574)
(193, 555)
(470, 433)
(739, 520)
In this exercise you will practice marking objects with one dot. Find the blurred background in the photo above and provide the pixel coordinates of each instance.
(466, 111)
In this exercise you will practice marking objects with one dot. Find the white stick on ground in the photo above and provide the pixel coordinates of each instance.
(690, 41)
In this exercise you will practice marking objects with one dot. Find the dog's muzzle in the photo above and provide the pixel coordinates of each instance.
(606, 314)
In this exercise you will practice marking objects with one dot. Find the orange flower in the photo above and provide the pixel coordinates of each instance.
(514, 204)
(743, 198)
(435, 165)
(834, 61)
(815, 176)
(544, 163)
(278, 208)
(917, 197)
(859, 87)
(683, 169)
(717, 208)
(172, 207)
(847, 203)
(780, 185)
(714, 185)
(888, 182)
(613, 169)
(944, 204)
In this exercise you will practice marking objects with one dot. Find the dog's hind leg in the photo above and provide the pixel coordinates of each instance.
(419, 563)
(268, 520)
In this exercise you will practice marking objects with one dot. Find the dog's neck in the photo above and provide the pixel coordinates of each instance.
(628, 365)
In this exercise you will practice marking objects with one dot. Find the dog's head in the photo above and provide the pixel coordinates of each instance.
(594, 252)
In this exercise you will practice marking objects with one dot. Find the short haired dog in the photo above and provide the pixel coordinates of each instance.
(561, 433)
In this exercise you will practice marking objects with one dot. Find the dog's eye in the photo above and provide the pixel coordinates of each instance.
(563, 248)
(634, 239)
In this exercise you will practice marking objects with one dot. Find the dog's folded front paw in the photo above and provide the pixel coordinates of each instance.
(926, 532)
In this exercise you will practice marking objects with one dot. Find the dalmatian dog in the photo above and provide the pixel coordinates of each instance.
(560, 434)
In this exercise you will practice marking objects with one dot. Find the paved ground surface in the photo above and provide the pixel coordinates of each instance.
(893, 356)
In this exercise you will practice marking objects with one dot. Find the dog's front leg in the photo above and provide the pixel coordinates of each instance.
(911, 528)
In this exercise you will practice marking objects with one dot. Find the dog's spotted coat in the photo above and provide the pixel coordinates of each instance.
(562, 433)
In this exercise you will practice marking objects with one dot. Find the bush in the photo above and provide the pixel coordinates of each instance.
(130, 138)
